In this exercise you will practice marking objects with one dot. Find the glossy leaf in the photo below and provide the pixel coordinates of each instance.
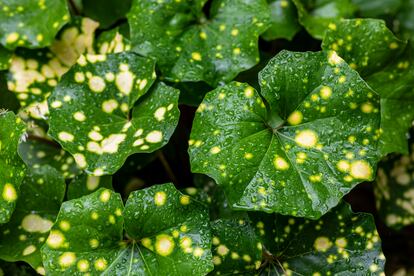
(283, 19)
(387, 65)
(394, 190)
(12, 168)
(42, 192)
(316, 140)
(191, 46)
(166, 233)
(108, 12)
(37, 153)
(236, 248)
(23, 23)
(113, 41)
(317, 16)
(93, 115)
(341, 242)
(85, 184)
(33, 74)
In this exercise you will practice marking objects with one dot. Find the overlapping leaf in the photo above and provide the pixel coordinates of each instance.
(31, 24)
(316, 140)
(93, 115)
(33, 74)
(394, 190)
(113, 41)
(42, 192)
(39, 152)
(86, 184)
(387, 65)
(191, 46)
(12, 168)
(167, 233)
(236, 248)
(317, 16)
(341, 242)
(108, 12)
(284, 20)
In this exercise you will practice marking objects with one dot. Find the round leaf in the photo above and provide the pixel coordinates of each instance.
(189, 46)
(92, 112)
(316, 140)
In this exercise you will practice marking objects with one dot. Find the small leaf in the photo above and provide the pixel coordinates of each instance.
(394, 190)
(93, 115)
(190, 46)
(113, 41)
(388, 66)
(85, 184)
(341, 242)
(317, 16)
(316, 140)
(236, 247)
(42, 192)
(23, 23)
(34, 73)
(37, 153)
(283, 19)
(12, 168)
(166, 233)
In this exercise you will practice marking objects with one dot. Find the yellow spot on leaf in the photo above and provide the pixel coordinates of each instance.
(196, 56)
(105, 196)
(361, 169)
(306, 138)
(280, 163)
(9, 193)
(65, 136)
(215, 150)
(160, 198)
(326, 92)
(67, 259)
(322, 244)
(295, 118)
(154, 136)
(164, 245)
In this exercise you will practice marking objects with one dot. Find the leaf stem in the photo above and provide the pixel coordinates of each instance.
(167, 167)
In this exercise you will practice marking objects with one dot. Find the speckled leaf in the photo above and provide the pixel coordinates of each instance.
(366, 44)
(394, 190)
(86, 184)
(189, 46)
(380, 57)
(316, 140)
(92, 112)
(317, 16)
(236, 248)
(42, 192)
(167, 233)
(283, 19)
(31, 24)
(339, 243)
(108, 12)
(34, 73)
(5, 58)
(37, 153)
(12, 168)
(113, 41)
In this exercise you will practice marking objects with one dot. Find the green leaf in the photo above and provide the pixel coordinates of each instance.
(92, 112)
(394, 190)
(108, 12)
(191, 46)
(5, 58)
(113, 41)
(23, 23)
(12, 168)
(377, 8)
(236, 248)
(317, 16)
(366, 44)
(42, 192)
(316, 140)
(405, 19)
(8, 100)
(387, 65)
(39, 152)
(166, 233)
(85, 184)
(15, 269)
(33, 74)
(339, 243)
(284, 20)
